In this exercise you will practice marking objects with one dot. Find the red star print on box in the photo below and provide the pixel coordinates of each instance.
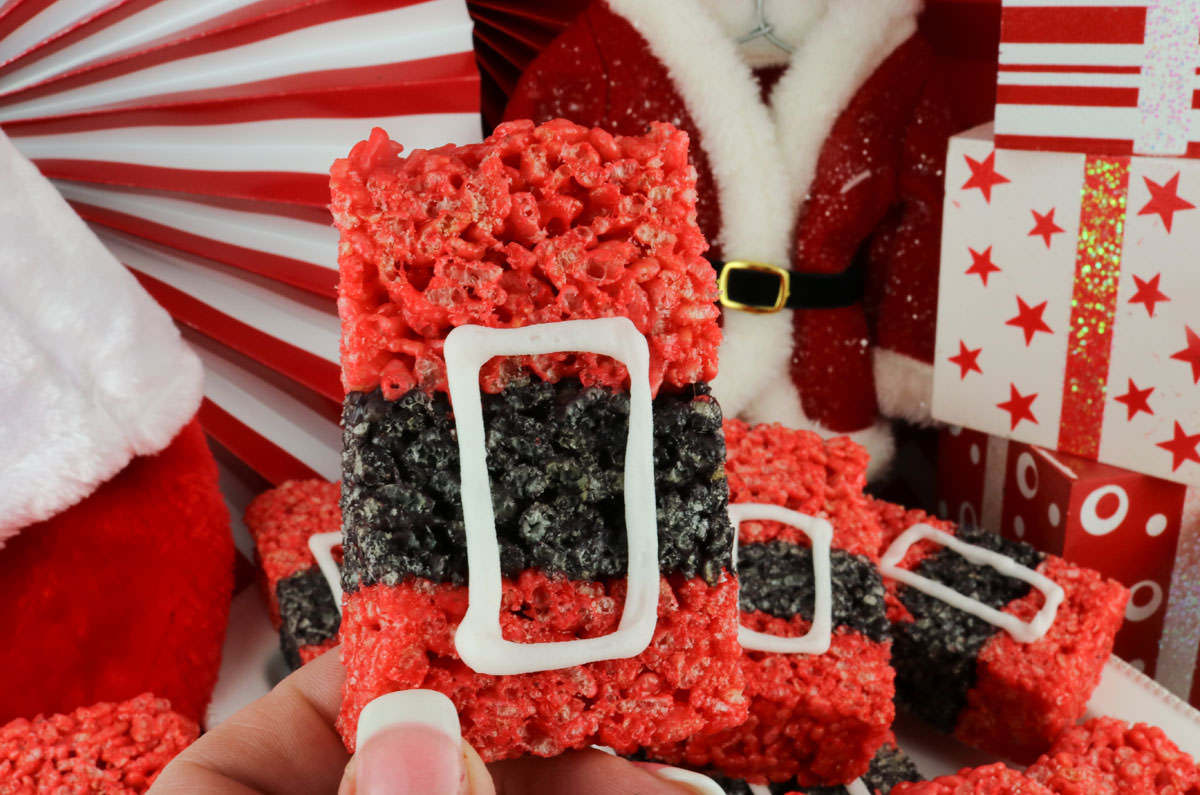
(1148, 293)
(1136, 400)
(982, 265)
(1165, 200)
(1044, 226)
(1182, 447)
(1089, 345)
(1019, 407)
(1190, 354)
(984, 175)
(967, 359)
(1029, 319)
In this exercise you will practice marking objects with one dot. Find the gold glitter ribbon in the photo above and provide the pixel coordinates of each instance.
(1093, 303)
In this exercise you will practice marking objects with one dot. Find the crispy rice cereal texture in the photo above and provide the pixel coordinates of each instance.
(535, 224)
(107, 748)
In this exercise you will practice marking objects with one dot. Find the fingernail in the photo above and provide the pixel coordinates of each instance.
(697, 782)
(409, 742)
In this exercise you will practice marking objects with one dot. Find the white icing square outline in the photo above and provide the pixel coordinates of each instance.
(478, 639)
(820, 532)
(321, 545)
(1021, 631)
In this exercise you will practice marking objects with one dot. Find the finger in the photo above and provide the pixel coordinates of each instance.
(285, 742)
(594, 772)
(409, 743)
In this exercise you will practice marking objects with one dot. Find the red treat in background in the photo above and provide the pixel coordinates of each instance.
(817, 719)
(771, 464)
(686, 680)
(1106, 756)
(534, 225)
(125, 592)
(1019, 696)
(281, 521)
(111, 748)
(993, 779)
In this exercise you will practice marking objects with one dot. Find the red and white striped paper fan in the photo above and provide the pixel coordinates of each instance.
(196, 139)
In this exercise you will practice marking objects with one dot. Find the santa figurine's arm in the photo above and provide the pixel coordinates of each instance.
(568, 80)
(902, 282)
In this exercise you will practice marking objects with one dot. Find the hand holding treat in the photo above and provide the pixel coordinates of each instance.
(286, 742)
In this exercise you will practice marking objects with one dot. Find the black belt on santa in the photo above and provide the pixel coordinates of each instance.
(762, 288)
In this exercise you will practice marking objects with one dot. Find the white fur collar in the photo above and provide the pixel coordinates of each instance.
(763, 158)
(92, 370)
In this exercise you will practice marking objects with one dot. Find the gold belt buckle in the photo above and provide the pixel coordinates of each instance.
(781, 297)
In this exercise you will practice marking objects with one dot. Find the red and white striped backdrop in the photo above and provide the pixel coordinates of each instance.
(196, 139)
(1100, 76)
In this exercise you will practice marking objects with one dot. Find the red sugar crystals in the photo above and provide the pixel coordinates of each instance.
(534, 225)
(994, 779)
(109, 748)
(1105, 756)
(772, 464)
(686, 681)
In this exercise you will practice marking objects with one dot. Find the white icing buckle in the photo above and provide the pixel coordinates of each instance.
(820, 532)
(478, 640)
(321, 545)
(1022, 632)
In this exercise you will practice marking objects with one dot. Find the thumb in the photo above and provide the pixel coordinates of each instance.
(408, 743)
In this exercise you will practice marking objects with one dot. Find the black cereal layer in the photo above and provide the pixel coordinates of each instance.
(934, 656)
(777, 578)
(556, 456)
(307, 613)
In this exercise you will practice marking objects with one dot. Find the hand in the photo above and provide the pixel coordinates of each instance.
(285, 742)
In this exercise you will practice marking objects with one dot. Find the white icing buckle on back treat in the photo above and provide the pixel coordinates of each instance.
(321, 545)
(1023, 632)
(820, 532)
(478, 640)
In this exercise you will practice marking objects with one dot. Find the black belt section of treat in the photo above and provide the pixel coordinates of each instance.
(556, 457)
(777, 578)
(934, 656)
(307, 613)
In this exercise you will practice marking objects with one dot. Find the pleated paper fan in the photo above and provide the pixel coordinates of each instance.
(508, 35)
(196, 139)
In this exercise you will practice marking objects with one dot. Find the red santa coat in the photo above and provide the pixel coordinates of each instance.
(841, 154)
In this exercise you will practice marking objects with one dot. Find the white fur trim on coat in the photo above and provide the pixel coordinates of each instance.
(903, 386)
(763, 157)
(92, 370)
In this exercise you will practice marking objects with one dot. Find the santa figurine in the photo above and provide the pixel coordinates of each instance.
(818, 131)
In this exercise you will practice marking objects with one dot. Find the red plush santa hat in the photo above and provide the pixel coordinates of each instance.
(809, 160)
(116, 558)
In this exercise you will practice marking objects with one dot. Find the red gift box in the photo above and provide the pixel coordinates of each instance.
(1114, 77)
(1127, 525)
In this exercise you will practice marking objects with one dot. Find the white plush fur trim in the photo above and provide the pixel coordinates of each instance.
(781, 403)
(903, 386)
(92, 370)
(763, 158)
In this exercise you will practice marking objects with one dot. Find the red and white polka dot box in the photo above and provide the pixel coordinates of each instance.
(1069, 304)
(1140, 530)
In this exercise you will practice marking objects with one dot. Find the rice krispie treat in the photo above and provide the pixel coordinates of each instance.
(285, 523)
(533, 496)
(1008, 660)
(818, 712)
